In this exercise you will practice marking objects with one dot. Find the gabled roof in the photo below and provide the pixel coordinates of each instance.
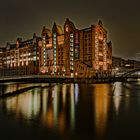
(70, 23)
(57, 29)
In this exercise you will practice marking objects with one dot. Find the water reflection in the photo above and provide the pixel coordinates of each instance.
(72, 106)
(122, 92)
(70, 110)
(49, 105)
(76, 93)
(117, 92)
(101, 105)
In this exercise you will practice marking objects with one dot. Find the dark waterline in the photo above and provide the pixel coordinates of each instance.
(71, 112)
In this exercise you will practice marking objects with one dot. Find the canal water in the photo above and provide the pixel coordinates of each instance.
(70, 111)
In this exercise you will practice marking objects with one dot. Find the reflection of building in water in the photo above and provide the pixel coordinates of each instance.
(76, 93)
(116, 96)
(117, 101)
(121, 90)
(26, 105)
(101, 104)
(72, 106)
(64, 91)
(53, 106)
(117, 89)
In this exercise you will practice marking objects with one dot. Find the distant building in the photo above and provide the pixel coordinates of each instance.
(134, 64)
(117, 62)
(120, 65)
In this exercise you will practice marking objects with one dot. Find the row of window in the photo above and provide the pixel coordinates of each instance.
(29, 59)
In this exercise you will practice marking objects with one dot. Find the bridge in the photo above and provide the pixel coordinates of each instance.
(131, 75)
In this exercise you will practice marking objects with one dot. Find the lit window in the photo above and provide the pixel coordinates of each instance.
(34, 58)
(54, 34)
(71, 35)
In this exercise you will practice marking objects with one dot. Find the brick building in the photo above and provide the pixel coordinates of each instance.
(61, 51)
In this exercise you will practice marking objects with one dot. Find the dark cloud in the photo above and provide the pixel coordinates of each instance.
(21, 18)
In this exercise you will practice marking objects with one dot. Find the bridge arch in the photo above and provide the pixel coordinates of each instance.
(128, 73)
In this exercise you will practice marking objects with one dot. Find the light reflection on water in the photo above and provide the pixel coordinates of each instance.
(101, 105)
(71, 110)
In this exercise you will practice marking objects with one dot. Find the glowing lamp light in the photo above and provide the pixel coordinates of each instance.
(43, 71)
(76, 73)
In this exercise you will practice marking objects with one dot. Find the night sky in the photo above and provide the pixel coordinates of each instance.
(21, 18)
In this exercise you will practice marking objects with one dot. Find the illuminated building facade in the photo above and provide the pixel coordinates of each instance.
(65, 51)
(82, 53)
(52, 62)
(62, 49)
(95, 51)
(22, 58)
